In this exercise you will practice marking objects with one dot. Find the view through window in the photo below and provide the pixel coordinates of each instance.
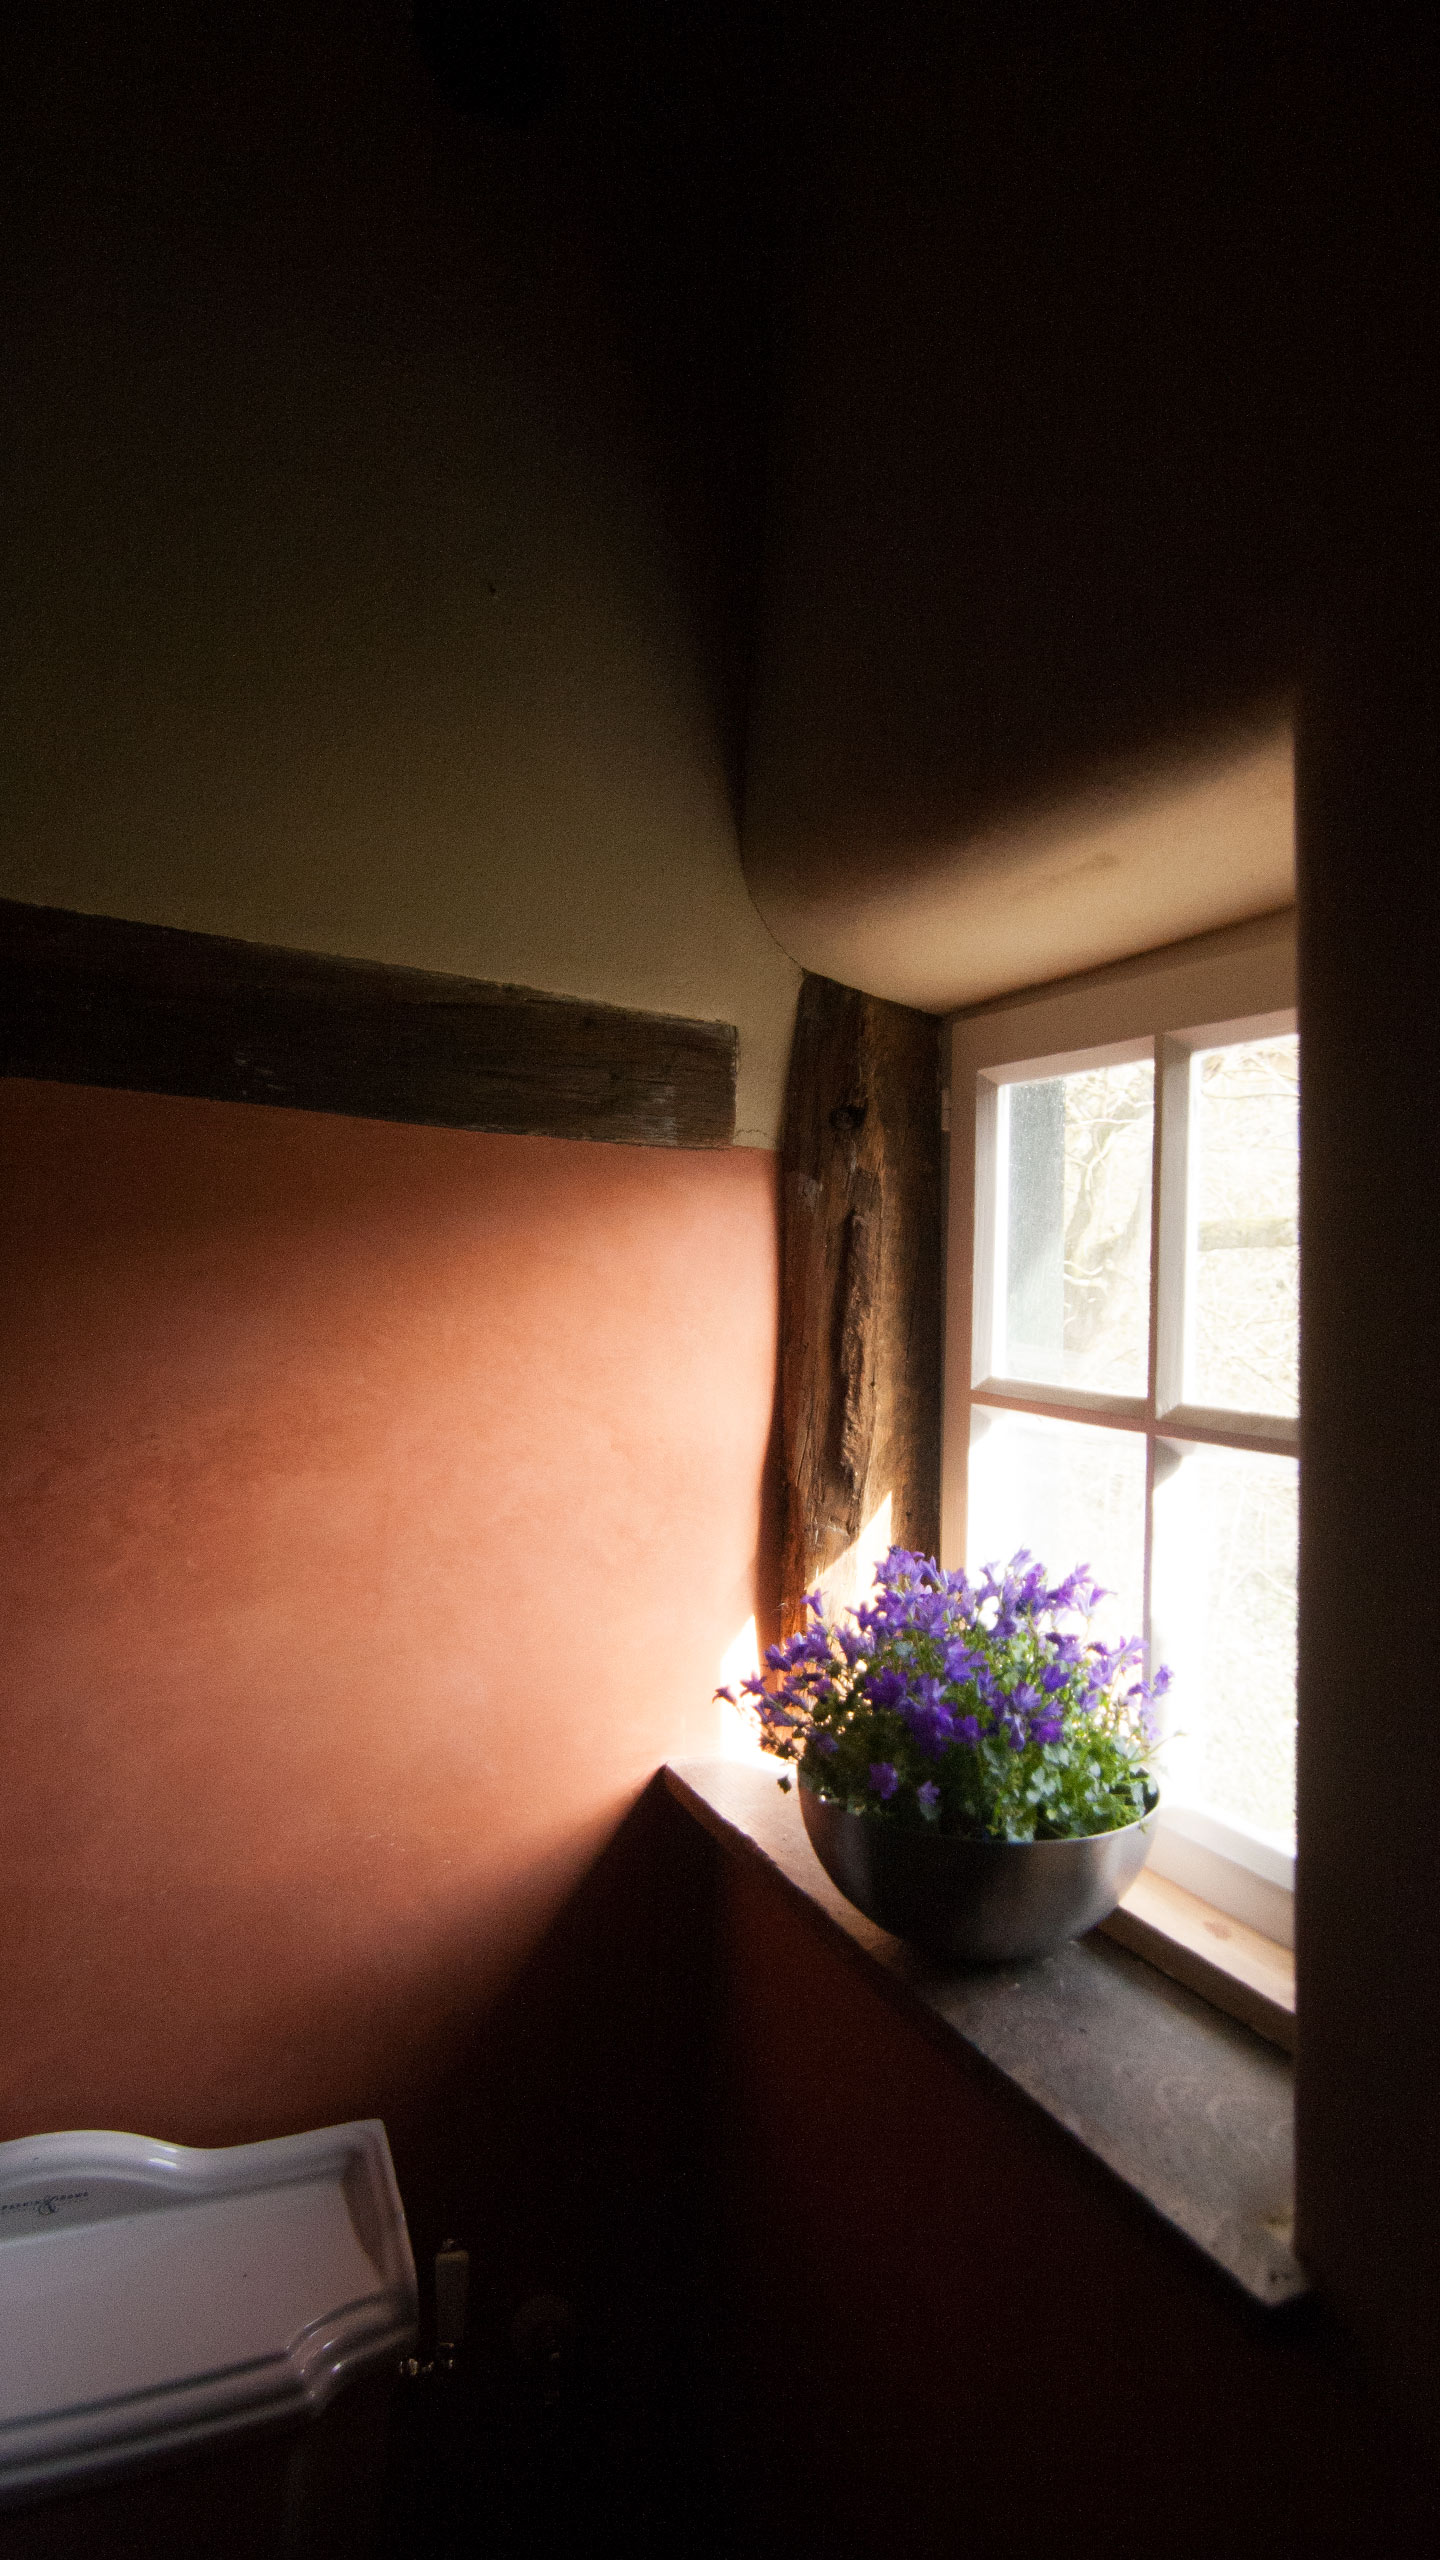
(1133, 1261)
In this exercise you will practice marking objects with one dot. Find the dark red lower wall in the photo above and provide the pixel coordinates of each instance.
(946, 2332)
(377, 1503)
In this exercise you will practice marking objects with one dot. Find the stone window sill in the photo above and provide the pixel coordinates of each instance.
(1188, 2108)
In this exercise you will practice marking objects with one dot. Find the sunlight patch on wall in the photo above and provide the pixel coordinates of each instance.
(851, 1578)
(844, 1584)
(739, 1738)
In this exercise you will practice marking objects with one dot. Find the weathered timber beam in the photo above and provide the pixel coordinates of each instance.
(92, 1000)
(860, 1295)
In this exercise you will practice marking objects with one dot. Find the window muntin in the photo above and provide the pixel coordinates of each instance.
(1173, 1474)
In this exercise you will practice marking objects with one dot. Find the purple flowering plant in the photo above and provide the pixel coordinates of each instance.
(985, 1709)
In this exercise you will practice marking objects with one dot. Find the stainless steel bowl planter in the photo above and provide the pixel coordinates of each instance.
(974, 1901)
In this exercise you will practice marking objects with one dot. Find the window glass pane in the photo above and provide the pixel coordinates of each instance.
(1071, 1493)
(1226, 1526)
(1243, 1284)
(1074, 1228)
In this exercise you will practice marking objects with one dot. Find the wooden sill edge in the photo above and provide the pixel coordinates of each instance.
(1227, 1963)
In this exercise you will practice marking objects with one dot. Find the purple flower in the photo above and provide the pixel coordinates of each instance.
(928, 1716)
(1079, 1591)
(886, 1688)
(927, 1643)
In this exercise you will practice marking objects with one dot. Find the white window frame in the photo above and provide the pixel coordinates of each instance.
(1227, 986)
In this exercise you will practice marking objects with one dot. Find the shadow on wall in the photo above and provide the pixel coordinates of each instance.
(563, 2150)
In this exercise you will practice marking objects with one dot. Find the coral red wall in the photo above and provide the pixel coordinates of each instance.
(377, 1504)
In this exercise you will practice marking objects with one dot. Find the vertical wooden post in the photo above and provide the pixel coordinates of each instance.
(860, 1295)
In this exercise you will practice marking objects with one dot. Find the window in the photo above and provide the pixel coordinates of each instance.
(1122, 1382)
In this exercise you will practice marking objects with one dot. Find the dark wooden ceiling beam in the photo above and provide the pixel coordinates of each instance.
(93, 1000)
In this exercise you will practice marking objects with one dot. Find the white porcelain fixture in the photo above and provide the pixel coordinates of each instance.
(157, 2302)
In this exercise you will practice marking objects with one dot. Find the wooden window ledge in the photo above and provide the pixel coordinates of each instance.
(1228, 1963)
